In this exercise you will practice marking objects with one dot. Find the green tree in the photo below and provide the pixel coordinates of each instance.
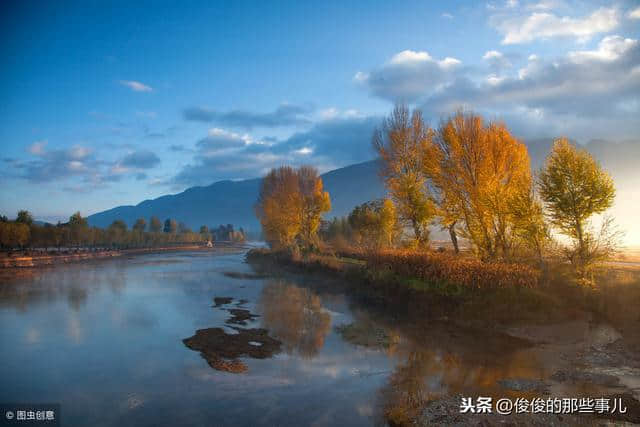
(78, 227)
(374, 223)
(24, 217)
(170, 226)
(403, 144)
(155, 225)
(574, 187)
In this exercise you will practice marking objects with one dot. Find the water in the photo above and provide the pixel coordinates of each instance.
(104, 339)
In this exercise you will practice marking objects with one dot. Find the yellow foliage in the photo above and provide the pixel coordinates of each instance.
(290, 205)
(479, 170)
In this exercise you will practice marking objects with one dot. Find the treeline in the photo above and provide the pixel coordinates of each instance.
(468, 177)
(24, 233)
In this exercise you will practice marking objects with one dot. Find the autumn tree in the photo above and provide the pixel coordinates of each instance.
(140, 225)
(478, 170)
(78, 228)
(117, 232)
(279, 206)
(290, 205)
(574, 187)
(374, 223)
(315, 202)
(530, 226)
(155, 225)
(403, 143)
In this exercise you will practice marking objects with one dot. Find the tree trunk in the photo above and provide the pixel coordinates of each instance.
(454, 238)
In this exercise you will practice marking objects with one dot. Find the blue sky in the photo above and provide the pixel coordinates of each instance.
(111, 103)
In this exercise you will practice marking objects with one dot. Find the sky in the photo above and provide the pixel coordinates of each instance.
(111, 103)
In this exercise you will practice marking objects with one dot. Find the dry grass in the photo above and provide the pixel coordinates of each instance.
(436, 267)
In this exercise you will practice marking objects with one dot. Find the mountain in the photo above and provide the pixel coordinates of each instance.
(231, 202)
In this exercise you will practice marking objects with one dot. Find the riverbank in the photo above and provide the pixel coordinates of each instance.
(587, 339)
(73, 256)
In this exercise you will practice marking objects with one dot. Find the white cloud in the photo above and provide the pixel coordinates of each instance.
(545, 25)
(634, 14)
(407, 74)
(609, 49)
(492, 54)
(447, 15)
(407, 57)
(543, 5)
(136, 86)
(587, 92)
(496, 60)
(38, 148)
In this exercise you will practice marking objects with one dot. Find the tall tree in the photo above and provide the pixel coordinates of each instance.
(170, 226)
(78, 228)
(478, 170)
(403, 143)
(140, 225)
(315, 202)
(574, 187)
(279, 206)
(155, 225)
(24, 217)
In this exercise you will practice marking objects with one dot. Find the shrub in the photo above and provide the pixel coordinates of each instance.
(442, 268)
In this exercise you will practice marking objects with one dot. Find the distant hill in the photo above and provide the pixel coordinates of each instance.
(232, 202)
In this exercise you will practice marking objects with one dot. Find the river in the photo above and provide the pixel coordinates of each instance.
(145, 340)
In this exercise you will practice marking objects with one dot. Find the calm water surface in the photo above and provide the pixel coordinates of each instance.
(105, 340)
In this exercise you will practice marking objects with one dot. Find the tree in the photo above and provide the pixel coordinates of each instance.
(183, 228)
(279, 206)
(290, 205)
(529, 223)
(374, 223)
(78, 227)
(574, 187)
(155, 225)
(315, 202)
(170, 226)
(403, 143)
(117, 232)
(24, 217)
(477, 171)
(140, 225)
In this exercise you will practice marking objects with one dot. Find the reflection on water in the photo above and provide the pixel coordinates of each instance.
(105, 339)
(295, 315)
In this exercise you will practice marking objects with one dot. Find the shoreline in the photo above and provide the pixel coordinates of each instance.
(34, 261)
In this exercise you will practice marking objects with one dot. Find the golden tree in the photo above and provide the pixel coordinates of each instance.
(315, 202)
(290, 205)
(279, 206)
(478, 170)
(401, 144)
(574, 187)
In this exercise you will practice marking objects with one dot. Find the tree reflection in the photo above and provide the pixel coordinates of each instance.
(295, 316)
(432, 373)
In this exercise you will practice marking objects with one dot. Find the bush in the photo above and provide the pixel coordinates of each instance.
(442, 268)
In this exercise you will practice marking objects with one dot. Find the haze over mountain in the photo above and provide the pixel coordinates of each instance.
(232, 202)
